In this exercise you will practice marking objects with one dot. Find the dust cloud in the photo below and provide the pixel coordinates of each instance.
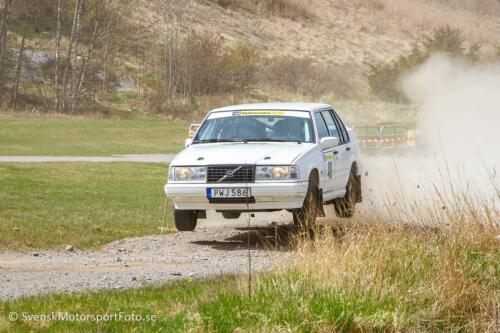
(459, 124)
(459, 107)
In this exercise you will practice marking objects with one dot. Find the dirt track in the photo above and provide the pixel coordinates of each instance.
(217, 247)
(213, 249)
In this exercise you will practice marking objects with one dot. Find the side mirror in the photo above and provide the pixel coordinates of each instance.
(193, 128)
(329, 142)
(188, 142)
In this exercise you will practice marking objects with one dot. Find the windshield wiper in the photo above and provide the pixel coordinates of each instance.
(215, 140)
(271, 140)
(263, 140)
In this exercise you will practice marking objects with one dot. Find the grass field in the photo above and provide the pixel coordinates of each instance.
(78, 136)
(82, 204)
(363, 279)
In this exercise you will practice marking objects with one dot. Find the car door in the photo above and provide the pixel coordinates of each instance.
(338, 154)
(326, 172)
(344, 161)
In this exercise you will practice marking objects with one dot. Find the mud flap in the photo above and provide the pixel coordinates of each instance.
(321, 210)
(359, 193)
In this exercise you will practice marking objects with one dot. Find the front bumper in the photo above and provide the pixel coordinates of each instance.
(268, 196)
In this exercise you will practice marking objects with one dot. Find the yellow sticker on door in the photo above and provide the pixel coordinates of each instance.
(329, 156)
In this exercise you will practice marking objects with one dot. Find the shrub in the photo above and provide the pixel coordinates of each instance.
(384, 79)
(298, 75)
(238, 67)
(305, 76)
(214, 69)
(291, 9)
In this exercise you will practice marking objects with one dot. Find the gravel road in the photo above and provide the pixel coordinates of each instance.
(215, 248)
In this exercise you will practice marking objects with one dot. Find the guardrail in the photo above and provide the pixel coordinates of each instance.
(372, 137)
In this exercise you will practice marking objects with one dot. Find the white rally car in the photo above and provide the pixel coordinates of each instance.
(266, 157)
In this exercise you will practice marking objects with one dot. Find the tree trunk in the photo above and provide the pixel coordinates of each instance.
(78, 87)
(105, 65)
(3, 45)
(69, 65)
(186, 62)
(58, 50)
(170, 56)
(74, 58)
(13, 99)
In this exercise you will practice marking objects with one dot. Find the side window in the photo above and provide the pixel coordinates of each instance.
(320, 124)
(332, 126)
(342, 127)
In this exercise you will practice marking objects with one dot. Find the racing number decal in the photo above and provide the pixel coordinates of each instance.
(329, 157)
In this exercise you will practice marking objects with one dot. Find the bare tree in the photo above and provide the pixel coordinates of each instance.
(78, 87)
(3, 45)
(58, 50)
(13, 99)
(71, 53)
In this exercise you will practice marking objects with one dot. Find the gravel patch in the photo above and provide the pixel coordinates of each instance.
(137, 262)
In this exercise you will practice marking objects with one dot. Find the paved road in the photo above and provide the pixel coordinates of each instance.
(140, 158)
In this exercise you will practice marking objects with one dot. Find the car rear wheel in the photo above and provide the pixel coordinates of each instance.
(306, 216)
(231, 215)
(185, 220)
(345, 207)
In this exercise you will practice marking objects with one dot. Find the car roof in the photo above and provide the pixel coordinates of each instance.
(275, 106)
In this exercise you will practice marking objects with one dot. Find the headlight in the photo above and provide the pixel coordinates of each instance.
(187, 174)
(276, 172)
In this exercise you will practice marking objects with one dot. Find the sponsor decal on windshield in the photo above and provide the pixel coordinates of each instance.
(222, 114)
(262, 113)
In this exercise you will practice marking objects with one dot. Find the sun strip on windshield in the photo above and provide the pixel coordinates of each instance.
(223, 114)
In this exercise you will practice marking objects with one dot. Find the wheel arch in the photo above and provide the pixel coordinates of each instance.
(354, 167)
(314, 174)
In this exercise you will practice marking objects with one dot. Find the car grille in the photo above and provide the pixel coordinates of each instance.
(230, 174)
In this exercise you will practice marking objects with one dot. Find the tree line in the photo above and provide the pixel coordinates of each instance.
(91, 46)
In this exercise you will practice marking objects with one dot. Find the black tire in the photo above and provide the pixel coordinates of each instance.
(231, 215)
(345, 207)
(185, 220)
(306, 216)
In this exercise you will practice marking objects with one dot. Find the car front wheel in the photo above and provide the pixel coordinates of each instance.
(306, 216)
(185, 220)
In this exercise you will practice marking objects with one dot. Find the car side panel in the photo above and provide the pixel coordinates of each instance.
(310, 160)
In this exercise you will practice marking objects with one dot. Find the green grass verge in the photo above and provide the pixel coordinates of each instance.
(78, 136)
(281, 302)
(367, 279)
(83, 204)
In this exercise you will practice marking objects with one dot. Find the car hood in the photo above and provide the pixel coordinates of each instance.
(241, 153)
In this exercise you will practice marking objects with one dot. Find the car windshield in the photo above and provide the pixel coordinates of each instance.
(258, 126)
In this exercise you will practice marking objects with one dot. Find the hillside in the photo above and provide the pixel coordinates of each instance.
(172, 55)
(344, 34)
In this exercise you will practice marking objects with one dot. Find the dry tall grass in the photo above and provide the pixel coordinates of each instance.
(292, 9)
(432, 266)
(420, 15)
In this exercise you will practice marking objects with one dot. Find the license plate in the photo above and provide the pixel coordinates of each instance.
(228, 192)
